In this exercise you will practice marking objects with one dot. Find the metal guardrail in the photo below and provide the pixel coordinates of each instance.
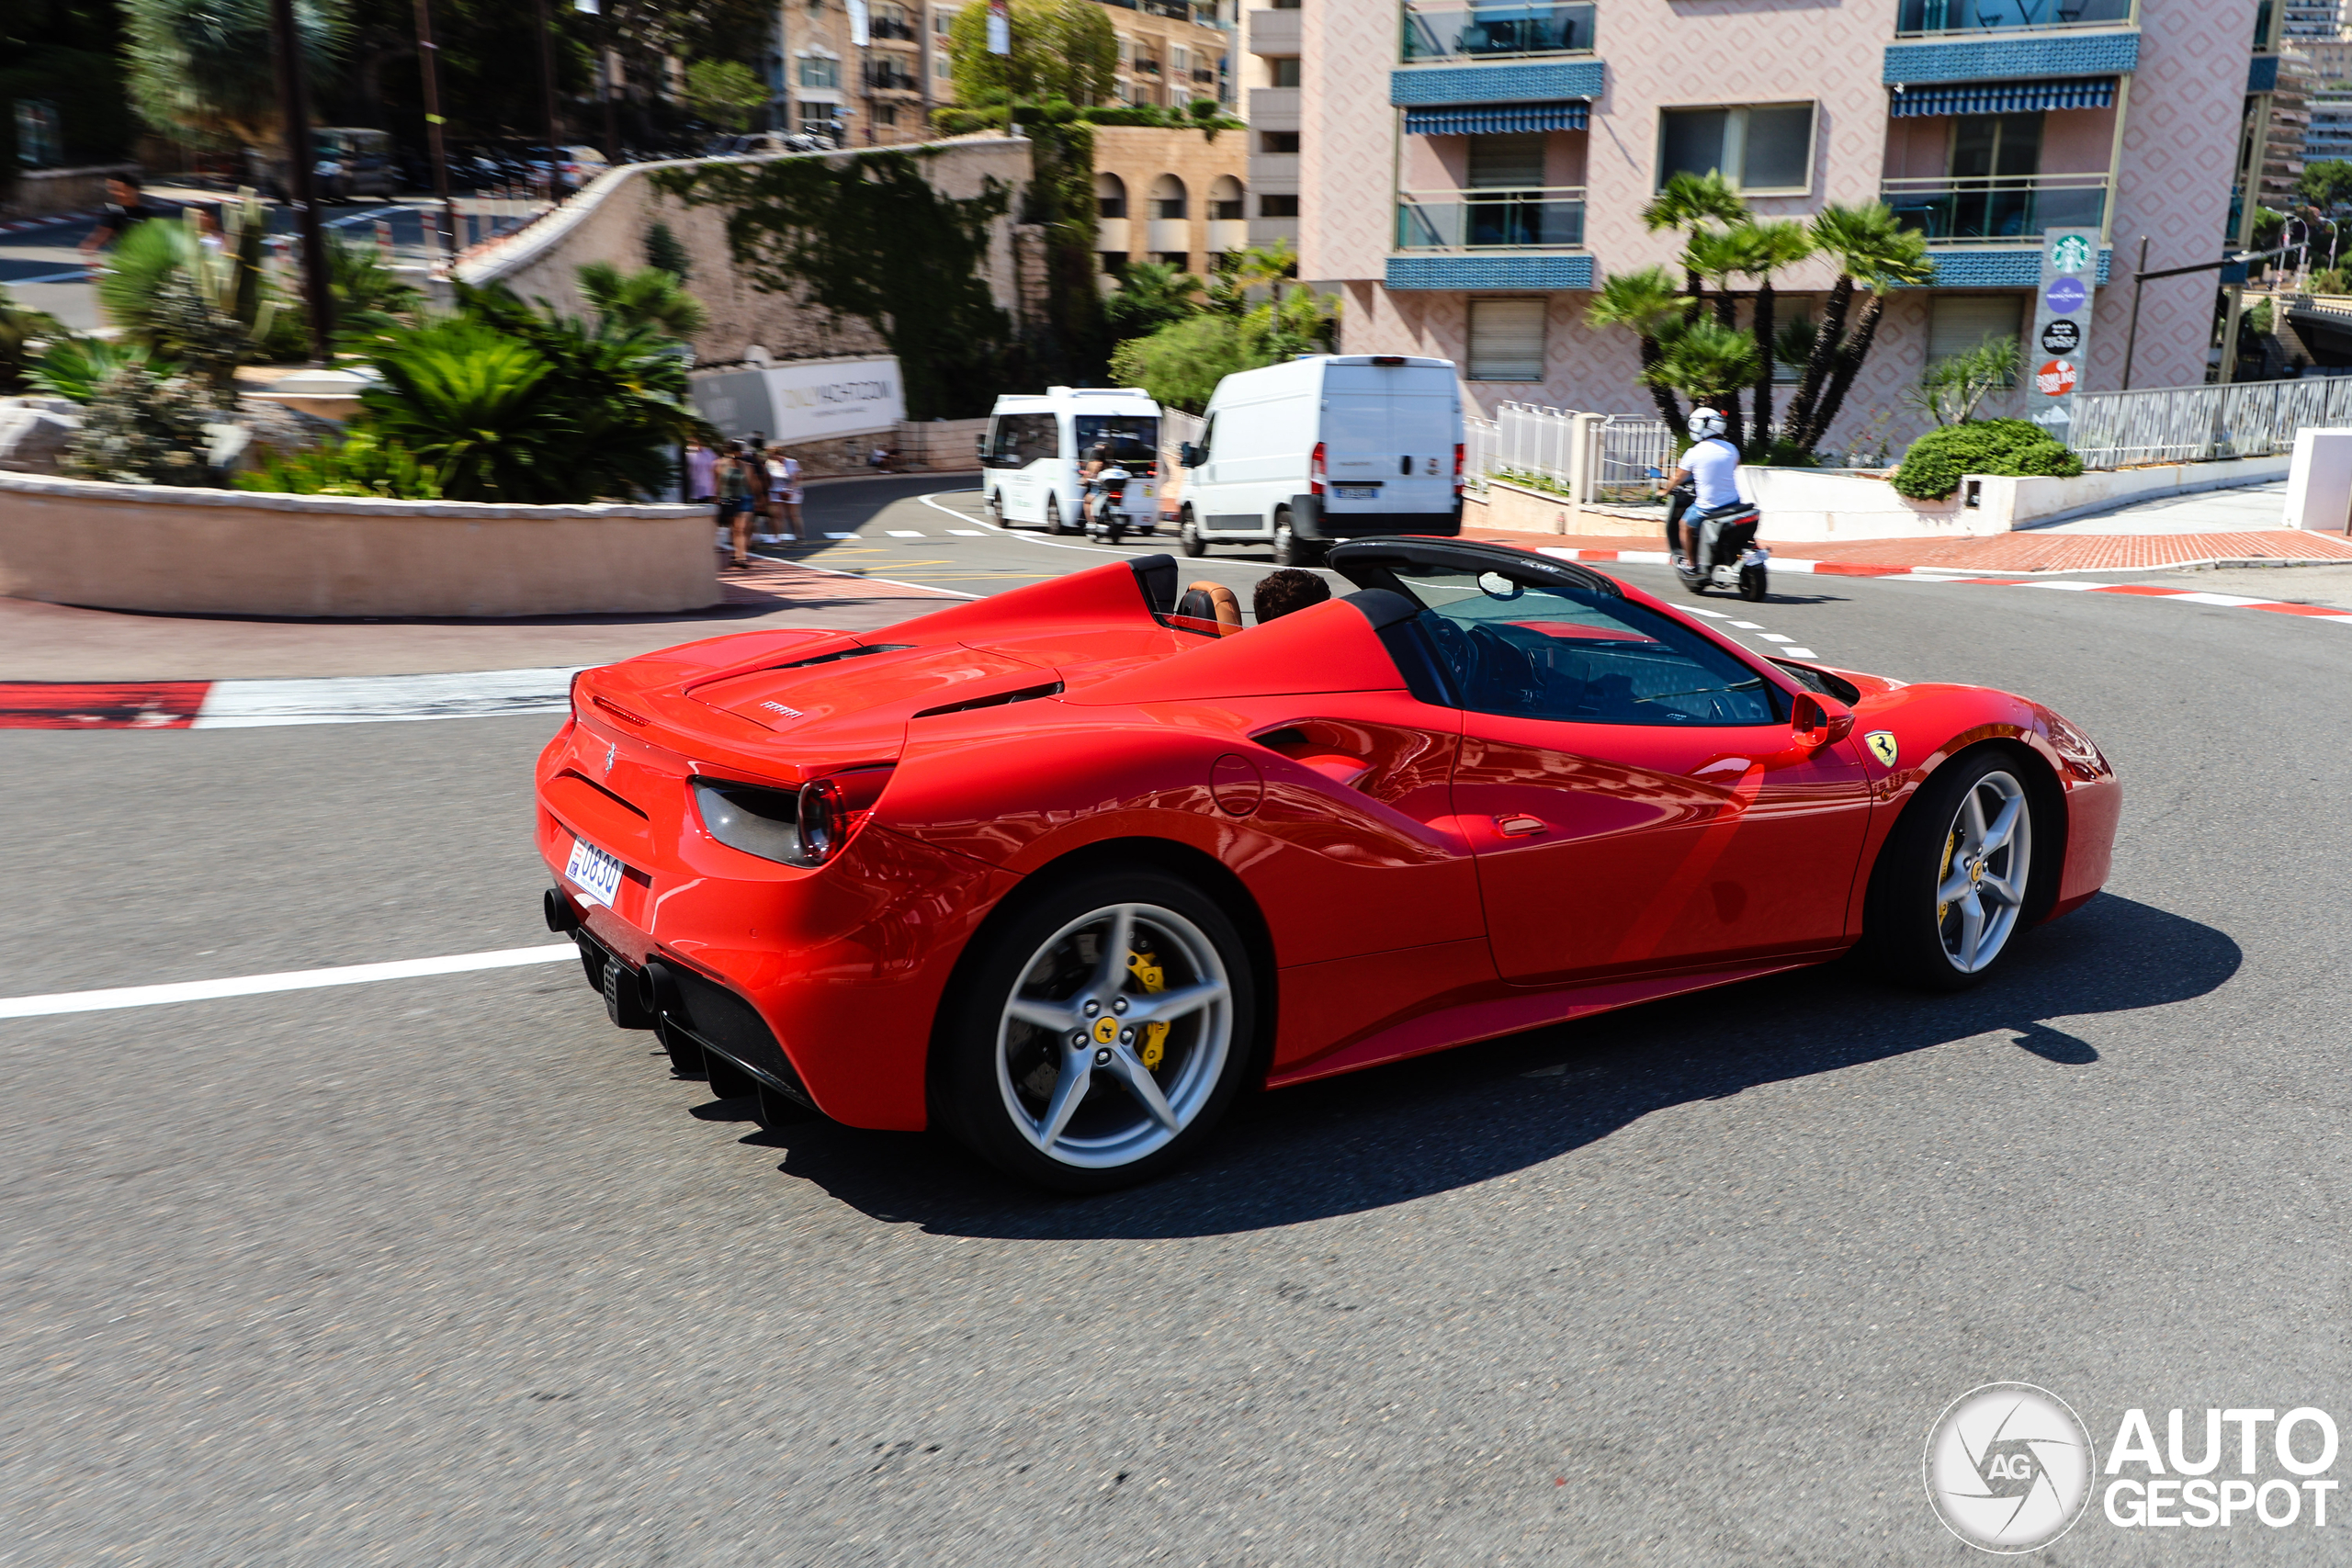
(2193, 424)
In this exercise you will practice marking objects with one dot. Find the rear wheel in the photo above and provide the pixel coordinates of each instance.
(1950, 888)
(996, 507)
(1188, 536)
(1054, 515)
(1751, 583)
(1100, 1034)
(1289, 548)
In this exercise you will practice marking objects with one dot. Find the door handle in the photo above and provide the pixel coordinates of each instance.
(1518, 826)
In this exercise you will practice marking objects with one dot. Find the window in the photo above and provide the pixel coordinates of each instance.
(942, 22)
(1278, 141)
(1180, 58)
(1958, 323)
(1506, 340)
(1278, 207)
(942, 69)
(1577, 654)
(1172, 258)
(1110, 194)
(885, 114)
(1017, 440)
(1285, 70)
(1759, 147)
(1226, 198)
(1512, 161)
(1115, 262)
(1168, 198)
(821, 72)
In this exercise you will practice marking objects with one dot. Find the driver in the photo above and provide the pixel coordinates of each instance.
(1711, 463)
(1097, 457)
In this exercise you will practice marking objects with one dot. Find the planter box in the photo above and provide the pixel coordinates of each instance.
(1805, 505)
(1529, 511)
(232, 552)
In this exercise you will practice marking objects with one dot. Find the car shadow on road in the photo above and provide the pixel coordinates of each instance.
(1461, 1117)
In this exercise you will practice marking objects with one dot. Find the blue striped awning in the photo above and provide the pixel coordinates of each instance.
(2006, 98)
(1495, 120)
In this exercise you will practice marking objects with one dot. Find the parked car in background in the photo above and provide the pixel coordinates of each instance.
(347, 163)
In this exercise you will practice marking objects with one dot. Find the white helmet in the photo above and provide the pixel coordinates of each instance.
(1705, 424)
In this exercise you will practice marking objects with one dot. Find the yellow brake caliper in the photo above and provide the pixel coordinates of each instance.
(1952, 843)
(1147, 971)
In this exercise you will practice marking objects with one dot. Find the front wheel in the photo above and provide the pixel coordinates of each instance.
(1951, 885)
(1101, 1035)
(1751, 583)
(1188, 536)
(1054, 515)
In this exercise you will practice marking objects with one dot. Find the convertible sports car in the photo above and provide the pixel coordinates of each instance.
(1065, 870)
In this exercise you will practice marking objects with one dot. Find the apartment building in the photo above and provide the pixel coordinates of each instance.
(1271, 76)
(1469, 173)
(855, 72)
(1170, 51)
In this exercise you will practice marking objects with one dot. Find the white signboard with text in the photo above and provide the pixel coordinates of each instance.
(801, 401)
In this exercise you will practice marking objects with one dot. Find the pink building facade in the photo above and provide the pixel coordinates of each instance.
(1470, 170)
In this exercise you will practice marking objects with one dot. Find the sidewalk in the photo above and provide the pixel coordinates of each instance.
(61, 642)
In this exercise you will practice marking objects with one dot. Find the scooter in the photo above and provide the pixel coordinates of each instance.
(1728, 556)
(1108, 519)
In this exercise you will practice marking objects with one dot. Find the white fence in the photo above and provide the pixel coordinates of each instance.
(1531, 442)
(2190, 424)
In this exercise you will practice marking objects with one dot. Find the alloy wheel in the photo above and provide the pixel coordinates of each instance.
(1981, 883)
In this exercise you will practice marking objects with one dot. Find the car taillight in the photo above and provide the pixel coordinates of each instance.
(1457, 467)
(1315, 471)
(808, 828)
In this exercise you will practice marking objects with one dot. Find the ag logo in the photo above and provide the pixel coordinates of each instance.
(2009, 1467)
(1883, 746)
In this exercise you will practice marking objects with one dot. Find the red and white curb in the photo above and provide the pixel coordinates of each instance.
(1784, 564)
(249, 705)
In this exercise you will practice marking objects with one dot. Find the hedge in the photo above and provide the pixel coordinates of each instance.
(1935, 463)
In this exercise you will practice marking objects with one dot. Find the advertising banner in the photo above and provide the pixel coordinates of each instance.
(2059, 345)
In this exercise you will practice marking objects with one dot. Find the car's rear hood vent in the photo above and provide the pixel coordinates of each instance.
(881, 685)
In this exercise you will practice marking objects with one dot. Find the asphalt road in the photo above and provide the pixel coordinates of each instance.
(451, 1271)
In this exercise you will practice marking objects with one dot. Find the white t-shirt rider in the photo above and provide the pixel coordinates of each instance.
(1715, 469)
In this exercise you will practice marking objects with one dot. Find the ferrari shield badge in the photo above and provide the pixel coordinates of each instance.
(1881, 745)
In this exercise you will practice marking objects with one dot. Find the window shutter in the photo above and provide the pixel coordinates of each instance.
(1506, 340)
(1958, 323)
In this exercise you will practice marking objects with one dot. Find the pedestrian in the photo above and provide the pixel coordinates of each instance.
(126, 210)
(784, 469)
(702, 465)
(878, 459)
(735, 505)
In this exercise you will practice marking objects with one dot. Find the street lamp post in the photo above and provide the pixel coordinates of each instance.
(294, 110)
(429, 54)
(547, 99)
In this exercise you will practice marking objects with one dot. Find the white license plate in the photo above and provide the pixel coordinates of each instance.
(1356, 492)
(595, 873)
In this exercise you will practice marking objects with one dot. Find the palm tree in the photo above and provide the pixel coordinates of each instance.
(1689, 203)
(1714, 254)
(647, 298)
(1708, 361)
(1646, 302)
(1875, 252)
(1768, 246)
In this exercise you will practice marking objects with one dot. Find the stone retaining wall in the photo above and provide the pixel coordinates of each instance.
(234, 552)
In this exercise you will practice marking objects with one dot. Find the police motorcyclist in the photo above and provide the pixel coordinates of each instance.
(1712, 466)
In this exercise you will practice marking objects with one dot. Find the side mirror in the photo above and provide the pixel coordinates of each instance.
(1818, 721)
(1190, 455)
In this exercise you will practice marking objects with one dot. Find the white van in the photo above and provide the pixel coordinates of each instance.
(1324, 447)
(1030, 457)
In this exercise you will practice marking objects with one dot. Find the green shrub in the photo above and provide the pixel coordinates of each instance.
(364, 465)
(75, 366)
(1935, 463)
(142, 429)
(20, 328)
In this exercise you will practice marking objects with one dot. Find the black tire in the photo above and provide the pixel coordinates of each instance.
(1289, 548)
(995, 507)
(1697, 586)
(1188, 536)
(991, 1068)
(1910, 933)
(1752, 584)
(1054, 515)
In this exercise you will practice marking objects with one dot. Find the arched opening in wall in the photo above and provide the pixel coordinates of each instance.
(1168, 202)
(1228, 199)
(1110, 193)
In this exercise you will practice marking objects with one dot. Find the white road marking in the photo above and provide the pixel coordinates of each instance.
(76, 276)
(841, 536)
(362, 699)
(1748, 626)
(1774, 636)
(288, 980)
(904, 533)
(970, 532)
(1800, 653)
(1711, 614)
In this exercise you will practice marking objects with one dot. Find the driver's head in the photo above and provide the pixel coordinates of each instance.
(1278, 594)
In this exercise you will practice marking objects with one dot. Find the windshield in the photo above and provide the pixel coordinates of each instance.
(1131, 437)
(1579, 654)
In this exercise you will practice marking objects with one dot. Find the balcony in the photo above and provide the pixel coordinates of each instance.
(1145, 68)
(1274, 32)
(1941, 18)
(2009, 209)
(1452, 32)
(1535, 218)
(893, 31)
(884, 77)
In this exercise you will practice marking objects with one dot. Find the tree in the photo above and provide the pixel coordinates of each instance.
(1707, 361)
(208, 68)
(1767, 247)
(1061, 49)
(1872, 251)
(724, 92)
(2326, 182)
(1713, 256)
(647, 300)
(1151, 295)
(1953, 391)
(1181, 364)
(1644, 302)
(1689, 203)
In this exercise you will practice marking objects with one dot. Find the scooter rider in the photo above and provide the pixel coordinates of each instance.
(1712, 465)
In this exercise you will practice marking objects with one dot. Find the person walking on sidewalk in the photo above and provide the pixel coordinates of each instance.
(784, 469)
(735, 481)
(702, 466)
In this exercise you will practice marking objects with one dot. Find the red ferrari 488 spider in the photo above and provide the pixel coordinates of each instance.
(1068, 869)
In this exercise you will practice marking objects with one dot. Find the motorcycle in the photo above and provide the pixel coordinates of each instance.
(1727, 556)
(1107, 518)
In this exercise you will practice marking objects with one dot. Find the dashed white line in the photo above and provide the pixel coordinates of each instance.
(904, 533)
(970, 532)
(1800, 653)
(841, 536)
(287, 980)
